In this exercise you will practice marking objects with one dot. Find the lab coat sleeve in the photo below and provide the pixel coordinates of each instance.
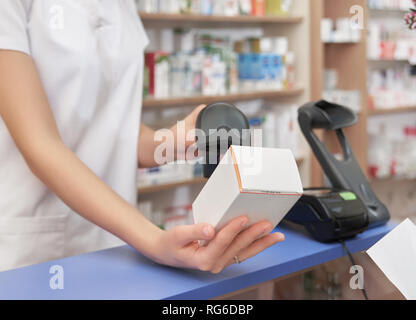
(13, 25)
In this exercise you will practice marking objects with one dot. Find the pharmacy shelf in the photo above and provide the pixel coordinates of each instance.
(389, 179)
(388, 10)
(341, 42)
(243, 96)
(196, 181)
(388, 60)
(393, 110)
(195, 18)
(169, 186)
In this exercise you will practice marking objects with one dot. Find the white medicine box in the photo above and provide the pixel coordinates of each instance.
(261, 183)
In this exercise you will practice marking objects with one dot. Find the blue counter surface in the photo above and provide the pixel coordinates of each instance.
(122, 273)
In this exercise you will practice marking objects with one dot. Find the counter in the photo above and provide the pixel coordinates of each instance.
(123, 273)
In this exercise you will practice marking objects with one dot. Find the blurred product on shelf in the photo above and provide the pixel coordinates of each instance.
(278, 124)
(145, 208)
(265, 64)
(200, 63)
(170, 173)
(392, 88)
(177, 216)
(167, 218)
(156, 68)
(258, 8)
(347, 98)
(390, 39)
(214, 72)
(244, 7)
(286, 128)
(342, 31)
(392, 147)
(217, 7)
(278, 7)
(403, 5)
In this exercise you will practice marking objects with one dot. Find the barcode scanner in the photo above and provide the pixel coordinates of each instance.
(344, 174)
(219, 126)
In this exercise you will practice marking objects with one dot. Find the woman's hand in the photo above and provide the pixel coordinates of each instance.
(183, 132)
(182, 137)
(179, 247)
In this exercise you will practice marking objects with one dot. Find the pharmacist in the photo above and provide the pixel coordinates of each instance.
(70, 143)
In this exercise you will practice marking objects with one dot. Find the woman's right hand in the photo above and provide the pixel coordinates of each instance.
(178, 247)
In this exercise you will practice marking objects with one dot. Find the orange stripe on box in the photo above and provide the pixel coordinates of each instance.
(237, 171)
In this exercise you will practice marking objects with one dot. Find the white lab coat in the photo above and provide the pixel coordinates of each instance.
(89, 54)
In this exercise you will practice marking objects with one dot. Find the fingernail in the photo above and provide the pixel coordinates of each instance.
(280, 236)
(245, 222)
(207, 231)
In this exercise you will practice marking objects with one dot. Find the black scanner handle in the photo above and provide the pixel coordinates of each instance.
(223, 125)
(344, 174)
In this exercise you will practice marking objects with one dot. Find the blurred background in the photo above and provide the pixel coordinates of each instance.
(269, 57)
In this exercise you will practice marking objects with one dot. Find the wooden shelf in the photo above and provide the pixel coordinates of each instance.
(389, 10)
(392, 110)
(390, 179)
(195, 18)
(152, 103)
(174, 185)
(341, 42)
(388, 60)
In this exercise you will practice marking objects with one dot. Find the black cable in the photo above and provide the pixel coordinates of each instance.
(354, 264)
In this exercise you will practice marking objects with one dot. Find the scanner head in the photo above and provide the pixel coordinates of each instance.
(326, 115)
(219, 126)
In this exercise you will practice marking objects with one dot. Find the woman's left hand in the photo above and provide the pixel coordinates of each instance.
(178, 247)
